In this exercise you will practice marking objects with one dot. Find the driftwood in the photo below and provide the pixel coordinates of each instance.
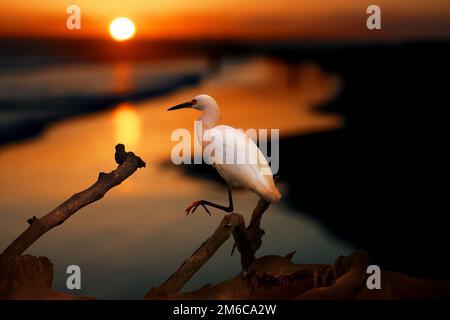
(128, 163)
(185, 272)
(30, 278)
(276, 277)
(250, 241)
(247, 240)
(267, 277)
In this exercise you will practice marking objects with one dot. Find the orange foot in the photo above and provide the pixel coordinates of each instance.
(195, 205)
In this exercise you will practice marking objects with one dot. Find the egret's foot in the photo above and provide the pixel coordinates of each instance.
(195, 205)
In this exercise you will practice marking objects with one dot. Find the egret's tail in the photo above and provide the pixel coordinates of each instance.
(274, 195)
(270, 194)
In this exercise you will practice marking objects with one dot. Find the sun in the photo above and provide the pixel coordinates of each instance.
(122, 29)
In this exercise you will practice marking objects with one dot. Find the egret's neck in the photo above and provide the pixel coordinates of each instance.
(208, 120)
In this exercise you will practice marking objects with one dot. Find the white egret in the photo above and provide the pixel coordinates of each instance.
(253, 173)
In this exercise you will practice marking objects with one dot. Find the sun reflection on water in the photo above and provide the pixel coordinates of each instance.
(127, 123)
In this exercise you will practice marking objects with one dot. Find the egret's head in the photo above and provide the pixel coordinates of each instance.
(207, 105)
(202, 102)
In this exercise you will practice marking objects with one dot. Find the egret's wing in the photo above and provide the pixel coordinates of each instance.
(237, 158)
(231, 146)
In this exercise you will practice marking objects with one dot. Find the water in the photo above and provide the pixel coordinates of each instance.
(137, 235)
(31, 98)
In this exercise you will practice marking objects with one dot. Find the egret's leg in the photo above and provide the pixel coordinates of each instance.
(205, 203)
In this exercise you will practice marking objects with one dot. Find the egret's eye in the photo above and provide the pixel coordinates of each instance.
(194, 101)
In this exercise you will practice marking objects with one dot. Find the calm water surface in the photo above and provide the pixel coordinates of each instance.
(137, 235)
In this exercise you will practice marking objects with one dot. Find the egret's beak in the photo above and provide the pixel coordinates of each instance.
(181, 106)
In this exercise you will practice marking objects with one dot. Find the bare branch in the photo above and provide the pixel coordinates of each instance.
(189, 267)
(248, 241)
(245, 247)
(254, 232)
(128, 163)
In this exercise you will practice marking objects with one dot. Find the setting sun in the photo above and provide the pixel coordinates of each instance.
(122, 29)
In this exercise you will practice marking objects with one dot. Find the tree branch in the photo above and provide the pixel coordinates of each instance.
(253, 233)
(128, 163)
(248, 241)
(189, 267)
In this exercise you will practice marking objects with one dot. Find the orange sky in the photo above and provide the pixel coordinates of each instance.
(312, 19)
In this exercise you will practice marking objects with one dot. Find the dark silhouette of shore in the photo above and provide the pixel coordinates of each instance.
(379, 181)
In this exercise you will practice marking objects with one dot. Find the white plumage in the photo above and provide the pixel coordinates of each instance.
(253, 172)
(232, 153)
